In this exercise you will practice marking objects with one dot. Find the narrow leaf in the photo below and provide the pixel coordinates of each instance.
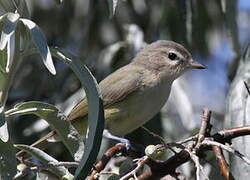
(3, 59)
(112, 4)
(23, 9)
(7, 153)
(58, 122)
(96, 119)
(7, 5)
(95, 113)
(7, 38)
(4, 133)
(59, 1)
(8, 28)
(41, 44)
(60, 171)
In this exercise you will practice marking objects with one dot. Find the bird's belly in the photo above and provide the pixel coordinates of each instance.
(135, 110)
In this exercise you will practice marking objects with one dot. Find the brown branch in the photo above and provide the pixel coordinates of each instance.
(205, 127)
(204, 142)
(162, 168)
(105, 159)
(147, 175)
(208, 142)
(226, 135)
(223, 166)
(156, 136)
(192, 138)
(198, 166)
(179, 144)
(205, 130)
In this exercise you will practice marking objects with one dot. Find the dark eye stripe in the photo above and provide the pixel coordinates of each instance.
(172, 56)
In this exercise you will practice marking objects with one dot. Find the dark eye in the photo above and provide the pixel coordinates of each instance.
(172, 56)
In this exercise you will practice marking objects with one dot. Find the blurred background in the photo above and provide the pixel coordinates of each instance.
(216, 32)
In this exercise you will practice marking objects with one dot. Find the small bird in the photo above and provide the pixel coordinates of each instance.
(135, 93)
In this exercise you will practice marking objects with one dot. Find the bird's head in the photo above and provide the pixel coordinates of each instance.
(168, 58)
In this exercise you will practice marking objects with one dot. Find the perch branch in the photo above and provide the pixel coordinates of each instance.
(223, 166)
(105, 159)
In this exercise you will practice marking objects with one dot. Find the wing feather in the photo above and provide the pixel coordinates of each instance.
(114, 88)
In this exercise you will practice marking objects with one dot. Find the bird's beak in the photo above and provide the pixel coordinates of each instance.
(196, 65)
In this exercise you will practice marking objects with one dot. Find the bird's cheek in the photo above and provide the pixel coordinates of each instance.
(180, 70)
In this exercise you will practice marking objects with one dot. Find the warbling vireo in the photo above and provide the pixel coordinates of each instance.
(133, 94)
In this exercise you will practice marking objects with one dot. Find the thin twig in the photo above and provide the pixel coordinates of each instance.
(178, 144)
(154, 135)
(223, 166)
(158, 137)
(227, 148)
(192, 138)
(140, 164)
(248, 90)
(226, 135)
(205, 123)
(159, 169)
(108, 173)
(198, 166)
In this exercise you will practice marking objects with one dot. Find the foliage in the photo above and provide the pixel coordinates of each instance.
(105, 35)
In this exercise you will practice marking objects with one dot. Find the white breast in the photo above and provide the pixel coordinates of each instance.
(140, 107)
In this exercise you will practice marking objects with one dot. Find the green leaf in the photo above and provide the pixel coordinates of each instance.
(41, 44)
(4, 134)
(59, 1)
(9, 27)
(60, 171)
(3, 60)
(7, 5)
(58, 122)
(95, 113)
(23, 9)
(8, 162)
(112, 4)
(3, 53)
(7, 38)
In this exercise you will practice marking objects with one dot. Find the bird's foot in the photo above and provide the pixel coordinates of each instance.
(130, 146)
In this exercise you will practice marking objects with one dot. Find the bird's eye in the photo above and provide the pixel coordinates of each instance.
(172, 56)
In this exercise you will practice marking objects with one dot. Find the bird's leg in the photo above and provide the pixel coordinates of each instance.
(129, 145)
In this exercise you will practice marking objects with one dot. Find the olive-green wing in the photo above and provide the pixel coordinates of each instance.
(80, 110)
(114, 88)
(120, 84)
